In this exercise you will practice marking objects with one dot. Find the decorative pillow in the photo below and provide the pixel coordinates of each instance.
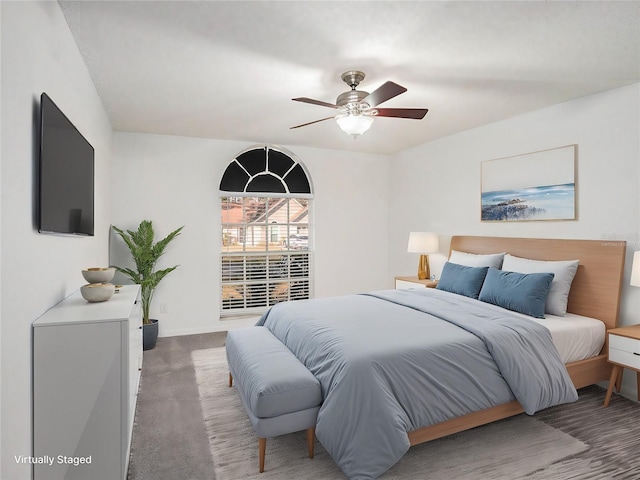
(524, 293)
(564, 272)
(461, 279)
(473, 260)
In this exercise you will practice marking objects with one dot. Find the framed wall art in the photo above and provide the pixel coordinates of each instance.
(533, 186)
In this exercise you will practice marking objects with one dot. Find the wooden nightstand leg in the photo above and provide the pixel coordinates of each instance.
(619, 380)
(638, 385)
(612, 381)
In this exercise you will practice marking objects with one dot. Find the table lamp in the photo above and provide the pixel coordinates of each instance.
(425, 243)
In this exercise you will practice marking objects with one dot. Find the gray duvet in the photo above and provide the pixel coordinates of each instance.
(396, 360)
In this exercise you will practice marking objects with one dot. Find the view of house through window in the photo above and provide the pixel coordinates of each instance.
(266, 236)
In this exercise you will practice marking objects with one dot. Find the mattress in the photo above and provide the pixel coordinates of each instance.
(575, 337)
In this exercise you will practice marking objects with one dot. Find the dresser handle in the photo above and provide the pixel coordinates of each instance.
(636, 354)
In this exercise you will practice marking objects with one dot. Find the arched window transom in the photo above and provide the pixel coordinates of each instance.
(265, 170)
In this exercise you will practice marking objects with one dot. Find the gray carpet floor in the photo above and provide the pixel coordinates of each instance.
(170, 440)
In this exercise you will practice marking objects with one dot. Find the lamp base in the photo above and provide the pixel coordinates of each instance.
(424, 273)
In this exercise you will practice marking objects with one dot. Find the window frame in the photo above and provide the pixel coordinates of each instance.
(288, 252)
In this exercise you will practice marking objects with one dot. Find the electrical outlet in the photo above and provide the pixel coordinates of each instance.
(164, 308)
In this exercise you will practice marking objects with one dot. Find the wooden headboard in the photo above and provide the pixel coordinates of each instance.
(595, 291)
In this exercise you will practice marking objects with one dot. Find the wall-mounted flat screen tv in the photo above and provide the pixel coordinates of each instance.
(66, 175)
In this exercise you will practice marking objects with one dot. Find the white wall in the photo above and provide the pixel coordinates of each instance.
(436, 186)
(39, 54)
(1, 451)
(174, 181)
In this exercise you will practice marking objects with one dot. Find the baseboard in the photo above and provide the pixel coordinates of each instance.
(221, 326)
(629, 392)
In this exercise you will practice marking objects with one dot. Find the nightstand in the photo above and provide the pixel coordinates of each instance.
(405, 283)
(624, 352)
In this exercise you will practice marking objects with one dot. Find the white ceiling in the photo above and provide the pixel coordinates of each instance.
(228, 69)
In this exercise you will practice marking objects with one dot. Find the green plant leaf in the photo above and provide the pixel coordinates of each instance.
(145, 254)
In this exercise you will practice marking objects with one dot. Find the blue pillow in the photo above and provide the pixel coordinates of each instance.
(520, 292)
(461, 279)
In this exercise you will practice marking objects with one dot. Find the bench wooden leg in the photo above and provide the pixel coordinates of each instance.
(262, 450)
(230, 380)
(311, 439)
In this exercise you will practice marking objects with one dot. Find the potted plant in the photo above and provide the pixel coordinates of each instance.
(145, 254)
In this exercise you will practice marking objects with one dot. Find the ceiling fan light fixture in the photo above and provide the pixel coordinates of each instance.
(356, 108)
(354, 125)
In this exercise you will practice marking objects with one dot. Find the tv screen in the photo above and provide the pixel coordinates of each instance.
(66, 175)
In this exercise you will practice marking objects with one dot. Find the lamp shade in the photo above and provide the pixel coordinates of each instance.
(423, 242)
(354, 125)
(635, 270)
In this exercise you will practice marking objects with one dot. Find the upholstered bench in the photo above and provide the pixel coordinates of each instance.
(279, 394)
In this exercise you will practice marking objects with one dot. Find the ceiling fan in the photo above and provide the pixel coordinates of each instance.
(356, 108)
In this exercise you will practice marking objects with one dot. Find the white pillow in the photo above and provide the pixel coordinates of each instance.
(473, 260)
(563, 271)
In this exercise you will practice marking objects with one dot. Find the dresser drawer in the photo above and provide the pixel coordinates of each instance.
(624, 350)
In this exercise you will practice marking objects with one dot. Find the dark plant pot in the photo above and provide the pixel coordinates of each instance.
(149, 334)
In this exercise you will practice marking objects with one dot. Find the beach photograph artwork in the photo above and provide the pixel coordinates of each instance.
(533, 186)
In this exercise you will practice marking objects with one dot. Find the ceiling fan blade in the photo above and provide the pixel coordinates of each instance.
(383, 93)
(415, 113)
(311, 123)
(314, 102)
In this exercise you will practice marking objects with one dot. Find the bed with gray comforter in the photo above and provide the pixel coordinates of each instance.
(397, 360)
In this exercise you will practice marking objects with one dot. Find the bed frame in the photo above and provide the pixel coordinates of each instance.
(595, 292)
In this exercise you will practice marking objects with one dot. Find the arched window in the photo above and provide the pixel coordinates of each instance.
(266, 201)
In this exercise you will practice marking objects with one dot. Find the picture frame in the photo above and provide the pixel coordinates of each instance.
(537, 186)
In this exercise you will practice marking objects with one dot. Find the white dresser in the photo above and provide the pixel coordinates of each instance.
(87, 359)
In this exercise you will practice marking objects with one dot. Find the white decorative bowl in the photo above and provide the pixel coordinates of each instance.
(98, 274)
(97, 292)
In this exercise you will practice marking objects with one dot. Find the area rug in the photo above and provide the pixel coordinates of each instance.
(575, 441)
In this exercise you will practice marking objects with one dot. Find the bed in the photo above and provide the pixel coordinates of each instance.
(424, 384)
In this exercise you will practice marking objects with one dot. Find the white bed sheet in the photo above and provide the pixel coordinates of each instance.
(576, 337)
